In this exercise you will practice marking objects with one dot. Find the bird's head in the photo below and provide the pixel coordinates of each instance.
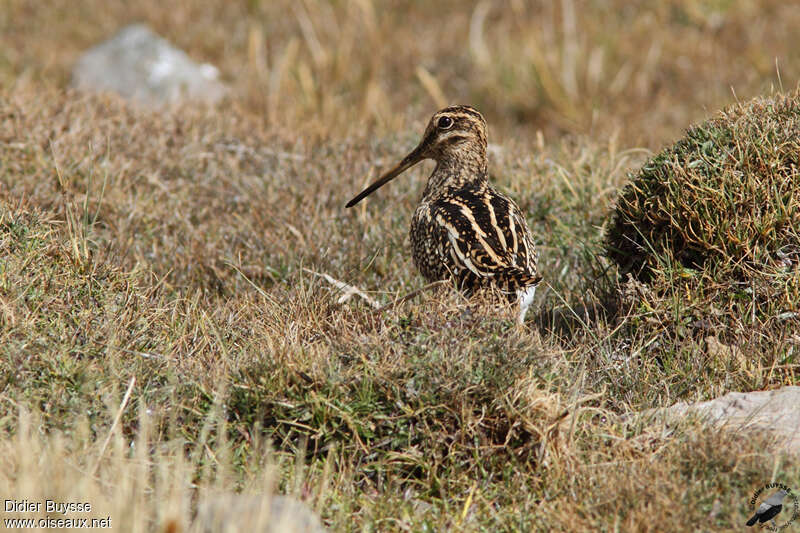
(455, 133)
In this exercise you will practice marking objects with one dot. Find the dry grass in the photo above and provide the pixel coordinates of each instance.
(180, 247)
(148, 483)
(560, 67)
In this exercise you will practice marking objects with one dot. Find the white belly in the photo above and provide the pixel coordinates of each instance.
(525, 299)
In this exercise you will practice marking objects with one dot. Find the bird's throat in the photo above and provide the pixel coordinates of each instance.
(453, 173)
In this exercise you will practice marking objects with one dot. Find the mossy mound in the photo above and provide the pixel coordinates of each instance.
(719, 211)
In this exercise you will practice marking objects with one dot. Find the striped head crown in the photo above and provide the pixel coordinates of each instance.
(454, 129)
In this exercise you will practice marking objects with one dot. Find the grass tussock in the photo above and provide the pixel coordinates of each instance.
(724, 198)
(710, 224)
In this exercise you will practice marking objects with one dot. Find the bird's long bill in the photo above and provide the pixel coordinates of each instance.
(408, 161)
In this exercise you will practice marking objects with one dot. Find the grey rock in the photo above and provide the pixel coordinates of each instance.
(776, 412)
(141, 66)
(228, 512)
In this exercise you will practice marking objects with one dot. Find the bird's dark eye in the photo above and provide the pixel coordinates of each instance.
(445, 123)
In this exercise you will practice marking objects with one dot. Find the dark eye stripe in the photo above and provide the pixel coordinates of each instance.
(453, 139)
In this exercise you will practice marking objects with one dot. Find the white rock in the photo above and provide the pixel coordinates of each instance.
(251, 513)
(141, 66)
(774, 411)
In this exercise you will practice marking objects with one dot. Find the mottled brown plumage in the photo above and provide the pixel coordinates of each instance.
(463, 228)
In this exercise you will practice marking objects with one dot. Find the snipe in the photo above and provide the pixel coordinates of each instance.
(463, 228)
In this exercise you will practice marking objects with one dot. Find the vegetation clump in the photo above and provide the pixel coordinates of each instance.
(718, 213)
